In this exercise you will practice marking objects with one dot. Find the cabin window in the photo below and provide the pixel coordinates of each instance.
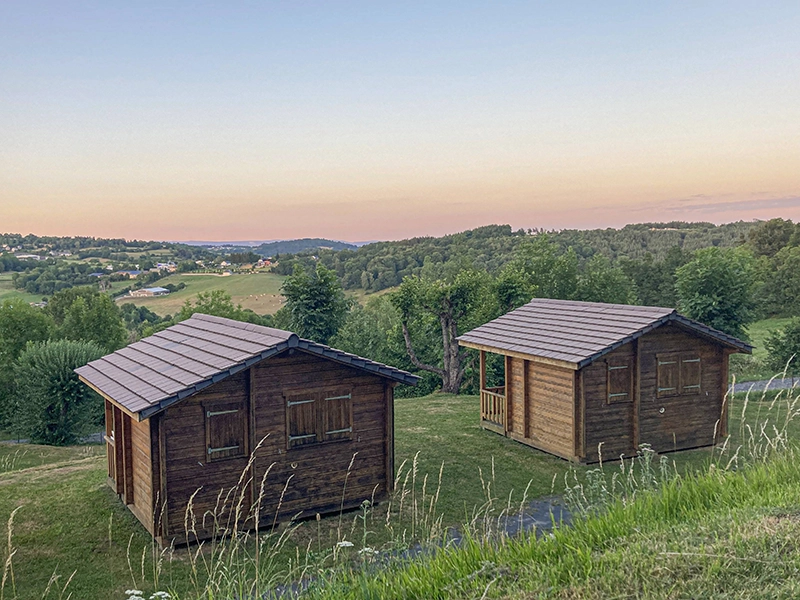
(620, 380)
(301, 418)
(690, 374)
(226, 431)
(678, 374)
(320, 417)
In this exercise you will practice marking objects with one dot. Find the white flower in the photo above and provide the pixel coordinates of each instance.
(367, 550)
(134, 592)
(344, 544)
(160, 596)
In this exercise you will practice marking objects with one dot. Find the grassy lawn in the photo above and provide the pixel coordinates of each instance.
(260, 292)
(70, 520)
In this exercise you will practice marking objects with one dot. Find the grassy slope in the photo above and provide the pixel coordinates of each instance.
(259, 292)
(67, 507)
(719, 535)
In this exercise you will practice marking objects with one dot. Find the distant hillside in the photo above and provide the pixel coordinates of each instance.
(382, 265)
(295, 246)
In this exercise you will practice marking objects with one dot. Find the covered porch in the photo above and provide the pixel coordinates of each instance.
(494, 399)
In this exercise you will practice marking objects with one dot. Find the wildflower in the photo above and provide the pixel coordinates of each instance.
(344, 544)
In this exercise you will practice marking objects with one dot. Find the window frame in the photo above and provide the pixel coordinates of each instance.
(681, 389)
(615, 364)
(320, 399)
(218, 408)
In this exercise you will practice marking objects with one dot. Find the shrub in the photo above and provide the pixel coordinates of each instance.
(53, 406)
(783, 346)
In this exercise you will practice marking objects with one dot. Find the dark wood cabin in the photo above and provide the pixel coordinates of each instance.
(583, 379)
(186, 409)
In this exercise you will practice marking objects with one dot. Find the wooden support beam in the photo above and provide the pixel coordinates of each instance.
(525, 400)
(637, 393)
(482, 355)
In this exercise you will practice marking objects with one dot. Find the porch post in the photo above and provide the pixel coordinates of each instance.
(483, 369)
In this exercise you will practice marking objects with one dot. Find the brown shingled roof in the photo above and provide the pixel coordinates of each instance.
(149, 375)
(580, 332)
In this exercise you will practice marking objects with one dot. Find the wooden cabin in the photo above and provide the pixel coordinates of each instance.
(585, 379)
(188, 407)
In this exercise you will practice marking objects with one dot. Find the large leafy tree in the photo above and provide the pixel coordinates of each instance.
(716, 288)
(768, 238)
(89, 315)
(316, 306)
(53, 406)
(20, 324)
(456, 304)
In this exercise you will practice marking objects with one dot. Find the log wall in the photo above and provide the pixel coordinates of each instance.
(300, 481)
(687, 421)
(611, 425)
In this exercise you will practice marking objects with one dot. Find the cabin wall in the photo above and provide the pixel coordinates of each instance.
(314, 475)
(551, 407)
(300, 480)
(187, 471)
(609, 424)
(687, 421)
(515, 390)
(141, 463)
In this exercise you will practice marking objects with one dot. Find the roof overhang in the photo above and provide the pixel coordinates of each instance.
(704, 331)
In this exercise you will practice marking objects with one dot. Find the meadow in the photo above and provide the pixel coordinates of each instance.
(260, 292)
(70, 524)
(9, 292)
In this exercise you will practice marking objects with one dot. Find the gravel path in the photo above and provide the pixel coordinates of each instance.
(760, 386)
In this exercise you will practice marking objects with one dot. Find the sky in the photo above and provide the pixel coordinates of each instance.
(365, 120)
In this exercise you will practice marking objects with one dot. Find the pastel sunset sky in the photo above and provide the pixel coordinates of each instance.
(367, 120)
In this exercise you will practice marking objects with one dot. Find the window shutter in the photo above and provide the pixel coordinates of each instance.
(690, 374)
(668, 375)
(620, 380)
(301, 420)
(337, 421)
(225, 432)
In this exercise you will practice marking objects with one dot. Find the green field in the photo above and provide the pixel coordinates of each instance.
(8, 292)
(260, 292)
(70, 520)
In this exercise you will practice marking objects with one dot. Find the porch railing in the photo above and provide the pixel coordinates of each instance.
(493, 408)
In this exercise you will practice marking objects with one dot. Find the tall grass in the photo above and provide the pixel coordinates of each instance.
(402, 546)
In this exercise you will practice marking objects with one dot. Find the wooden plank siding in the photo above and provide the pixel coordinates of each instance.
(608, 424)
(142, 472)
(687, 421)
(551, 407)
(302, 480)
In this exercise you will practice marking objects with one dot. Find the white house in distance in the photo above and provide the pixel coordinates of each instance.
(149, 292)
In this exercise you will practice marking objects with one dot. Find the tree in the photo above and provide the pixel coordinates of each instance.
(88, 315)
(53, 406)
(783, 346)
(217, 303)
(601, 282)
(781, 291)
(20, 323)
(316, 306)
(769, 237)
(716, 288)
(455, 304)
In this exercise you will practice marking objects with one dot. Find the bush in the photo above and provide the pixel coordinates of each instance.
(783, 346)
(53, 406)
